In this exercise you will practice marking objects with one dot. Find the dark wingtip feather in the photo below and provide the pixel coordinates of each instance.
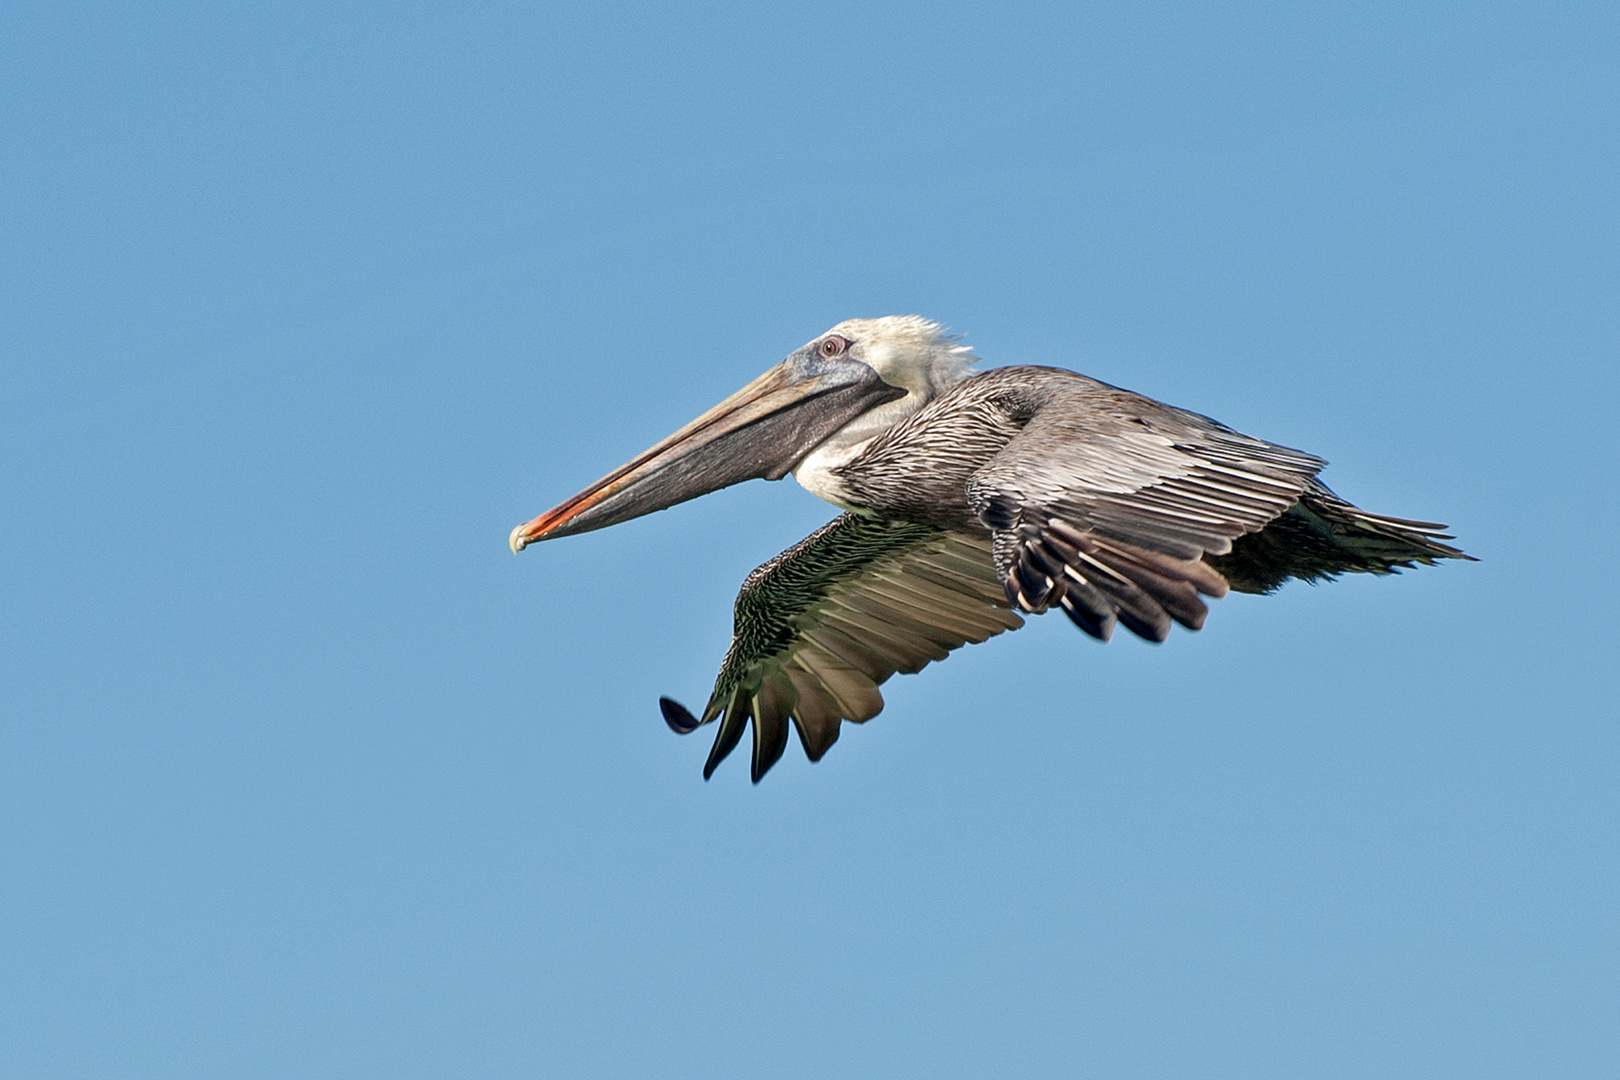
(771, 708)
(1093, 617)
(770, 739)
(816, 739)
(1149, 628)
(732, 726)
(680, 721)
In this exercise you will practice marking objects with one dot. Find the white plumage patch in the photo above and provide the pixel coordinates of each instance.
(908, 351)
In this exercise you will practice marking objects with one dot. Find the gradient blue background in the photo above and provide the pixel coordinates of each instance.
(302, 773)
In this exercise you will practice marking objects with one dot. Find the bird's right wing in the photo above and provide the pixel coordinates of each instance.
(822, 624)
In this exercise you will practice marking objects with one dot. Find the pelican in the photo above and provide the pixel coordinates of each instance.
(971, 499)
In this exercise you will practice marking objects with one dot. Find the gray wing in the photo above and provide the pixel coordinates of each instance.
(1107, 502)
(1116, 507)
(820, 626)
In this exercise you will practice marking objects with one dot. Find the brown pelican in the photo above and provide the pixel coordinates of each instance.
(970, 498)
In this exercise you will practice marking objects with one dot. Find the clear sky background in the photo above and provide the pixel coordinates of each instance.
(302, 773)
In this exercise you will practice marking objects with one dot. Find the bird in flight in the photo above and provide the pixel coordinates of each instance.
(969, 500)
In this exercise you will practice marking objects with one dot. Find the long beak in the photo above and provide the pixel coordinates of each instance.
(761, 431)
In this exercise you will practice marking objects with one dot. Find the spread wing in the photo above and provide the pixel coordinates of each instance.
(1107, 502)
(820, 626)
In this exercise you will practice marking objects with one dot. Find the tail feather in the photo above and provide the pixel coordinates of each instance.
(1321, 536)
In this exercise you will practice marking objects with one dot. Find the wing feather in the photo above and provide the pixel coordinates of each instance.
(817, 716)
(1105, 504)
(822, 625)
(1116, 507)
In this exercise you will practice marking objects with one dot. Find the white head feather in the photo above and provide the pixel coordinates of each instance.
(907, 351)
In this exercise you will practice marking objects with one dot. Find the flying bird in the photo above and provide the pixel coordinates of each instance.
(970, 499)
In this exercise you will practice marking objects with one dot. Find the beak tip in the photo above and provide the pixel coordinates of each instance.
(517, 540)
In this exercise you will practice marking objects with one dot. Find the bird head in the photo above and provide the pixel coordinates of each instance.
(842, 387)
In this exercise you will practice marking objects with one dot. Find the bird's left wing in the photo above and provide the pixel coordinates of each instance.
(822, 624)
(1106, 503)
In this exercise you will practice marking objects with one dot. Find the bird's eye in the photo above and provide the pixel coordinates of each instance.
(833, 346)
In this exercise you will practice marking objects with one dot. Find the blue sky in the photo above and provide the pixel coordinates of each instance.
(303, 773)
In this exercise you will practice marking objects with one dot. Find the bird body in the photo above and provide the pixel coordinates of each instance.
(971, 498)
